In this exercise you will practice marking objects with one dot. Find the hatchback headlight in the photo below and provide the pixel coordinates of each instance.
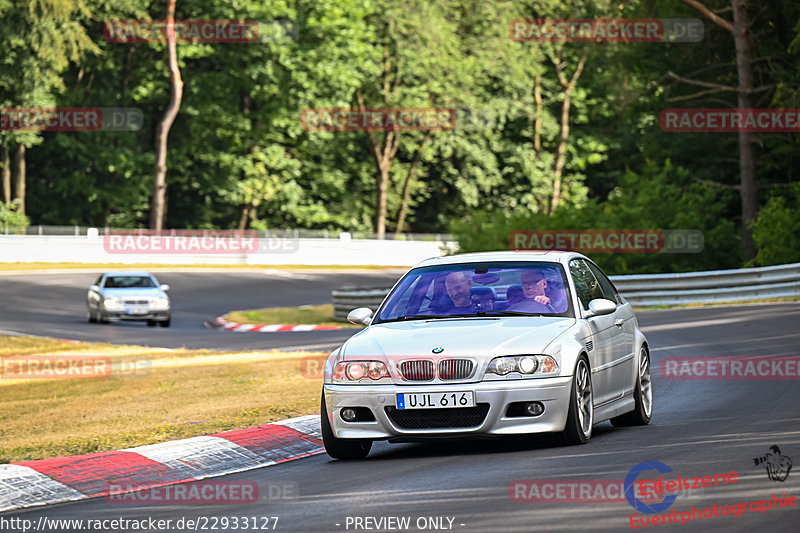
(526, 365)
(161, 302)
(357, 370)
(112, 303)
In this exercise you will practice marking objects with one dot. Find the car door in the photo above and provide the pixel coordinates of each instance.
(603, 332)
(623, 357)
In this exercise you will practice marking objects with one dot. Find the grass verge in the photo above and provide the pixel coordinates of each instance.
(174, 394)
(321, 315)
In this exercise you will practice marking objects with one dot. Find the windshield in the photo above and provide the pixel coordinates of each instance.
(480, 289)
(129, 282)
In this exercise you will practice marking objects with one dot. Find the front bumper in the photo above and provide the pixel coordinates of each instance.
(128, 314)
(552, 392)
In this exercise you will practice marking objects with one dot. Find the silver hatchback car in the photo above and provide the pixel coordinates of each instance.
(498, 343)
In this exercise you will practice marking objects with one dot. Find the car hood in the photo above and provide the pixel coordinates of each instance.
(152, 292)
(476, 337)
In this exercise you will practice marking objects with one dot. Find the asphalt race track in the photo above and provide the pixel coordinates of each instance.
(54, 305)
(699, 428)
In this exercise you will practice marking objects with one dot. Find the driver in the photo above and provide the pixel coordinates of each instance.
(535, 300)
(534, 285)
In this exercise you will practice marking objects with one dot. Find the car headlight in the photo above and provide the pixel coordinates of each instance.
(112, 303)
(357, 370)
(161, 302)
(526, 365)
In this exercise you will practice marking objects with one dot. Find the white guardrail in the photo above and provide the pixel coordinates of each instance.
(271, 251)
(644, 290)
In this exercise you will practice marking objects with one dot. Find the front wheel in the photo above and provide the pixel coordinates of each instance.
(642, 395)
(341, 448)
(580, 417)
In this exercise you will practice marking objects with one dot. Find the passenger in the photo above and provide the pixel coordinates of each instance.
(459, 288)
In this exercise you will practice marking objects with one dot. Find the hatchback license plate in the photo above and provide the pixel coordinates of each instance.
(435, 400)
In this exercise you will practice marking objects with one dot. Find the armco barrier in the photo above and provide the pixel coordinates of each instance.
(345, 300)
(642, 290)
(779, 281)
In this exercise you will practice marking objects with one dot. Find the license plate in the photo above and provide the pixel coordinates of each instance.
(136, 311)
(435, 400)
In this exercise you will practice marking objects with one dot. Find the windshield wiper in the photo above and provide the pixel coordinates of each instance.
(413, 317)
(508, 313)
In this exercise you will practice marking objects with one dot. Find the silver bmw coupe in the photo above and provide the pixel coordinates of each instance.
(497, 343)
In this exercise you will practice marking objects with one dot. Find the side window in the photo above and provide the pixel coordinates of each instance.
(585, 284)
(99, 280)
(609, 293)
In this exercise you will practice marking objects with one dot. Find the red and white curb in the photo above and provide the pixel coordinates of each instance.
(63, 479)
(221, 323)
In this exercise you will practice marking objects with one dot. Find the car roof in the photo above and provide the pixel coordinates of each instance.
(128, 273)
(549, 256)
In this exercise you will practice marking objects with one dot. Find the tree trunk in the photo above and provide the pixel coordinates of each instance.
(747, 165)
(748, 181)
(380, 198)
(383, 159)
(245, 215)
(401, 215)
(561, 151)
(6, 176)
(537, 124)
(162, 131)
(19, 177)
(563, 138)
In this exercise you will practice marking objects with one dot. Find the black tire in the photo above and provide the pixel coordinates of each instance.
(341, 448)
(165, 323)
(152, 323)
(101, 318)
(92, 317)
(642, 395)
(576, 431)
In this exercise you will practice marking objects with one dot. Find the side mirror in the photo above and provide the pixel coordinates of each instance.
(601, 306)
(361, 316)
(94, 288)
(164, 287)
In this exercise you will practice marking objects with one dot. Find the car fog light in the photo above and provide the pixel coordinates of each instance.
(348, 414)
(534, 408)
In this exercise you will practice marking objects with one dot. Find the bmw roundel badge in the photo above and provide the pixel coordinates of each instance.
(438, 349)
